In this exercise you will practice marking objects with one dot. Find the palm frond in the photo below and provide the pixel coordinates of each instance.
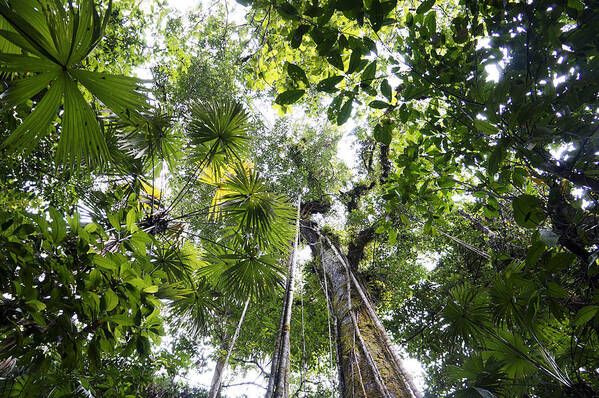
(266, 217)
(153, 140)
(241, 274)
(190, 306)
(479, 373)
(178, 262)
(513, 353)
(6, 46)
(51, 38)
(218, 129)
(465, 313)
(218, 175)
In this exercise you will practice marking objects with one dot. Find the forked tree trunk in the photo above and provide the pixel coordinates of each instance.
(368, 364)
(221, 363)
(278, 383)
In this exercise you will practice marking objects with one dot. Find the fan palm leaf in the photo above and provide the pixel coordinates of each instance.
(218, 176)
(218, 130)
(466, 313)
(54, 39)
(244, 273)
(190, 309)
(266, 217)
(178, 262)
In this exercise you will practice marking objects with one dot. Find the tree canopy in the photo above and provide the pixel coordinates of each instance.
(201, 219)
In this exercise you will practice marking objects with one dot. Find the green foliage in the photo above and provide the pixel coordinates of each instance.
(218, 130)
(492, 179)
(528, 211)
(71, 299)
(507, 155)
(54, 40)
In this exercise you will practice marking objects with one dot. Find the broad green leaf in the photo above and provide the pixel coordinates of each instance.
(92, 301)
(369, 45)
(111, 300)
(534, 253)
(328, 85)
(386, 90)
(121, 319)
(287, 11)
(324, 38)
(91, 227)
(150, 289)
(36, 305)
(115, 221)
(585, 314)
(404, 219)
(297, 73)
(354, 61)
(298, 34)
(346, 5)
(105, 263)
(392, 237)
(334, 58)
(379, 104)
(576, 4)
(430, 21)
(519, 176)
(485, 127)
(138, 283)
(289, 97)
(383, 133)
(425, 6)
(131, 220)
(94, 277)
(528, 211)
(416, 92)
(344, 112)
(369, 72)
(560, 262)
(404, 113)
(58, 226)
(495, 159)
(377, 14)
(334, 107)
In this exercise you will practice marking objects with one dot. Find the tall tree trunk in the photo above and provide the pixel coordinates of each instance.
(278, 383)
(221, 363)
(368, 364)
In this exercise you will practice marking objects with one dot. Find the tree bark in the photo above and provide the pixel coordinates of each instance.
(221, 363)
(278, 383)
(368, 364)
(217, 375)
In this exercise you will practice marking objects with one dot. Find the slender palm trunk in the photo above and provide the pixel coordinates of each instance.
(222, 362)
(368, 364)
(218, 371)
(278, 383)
